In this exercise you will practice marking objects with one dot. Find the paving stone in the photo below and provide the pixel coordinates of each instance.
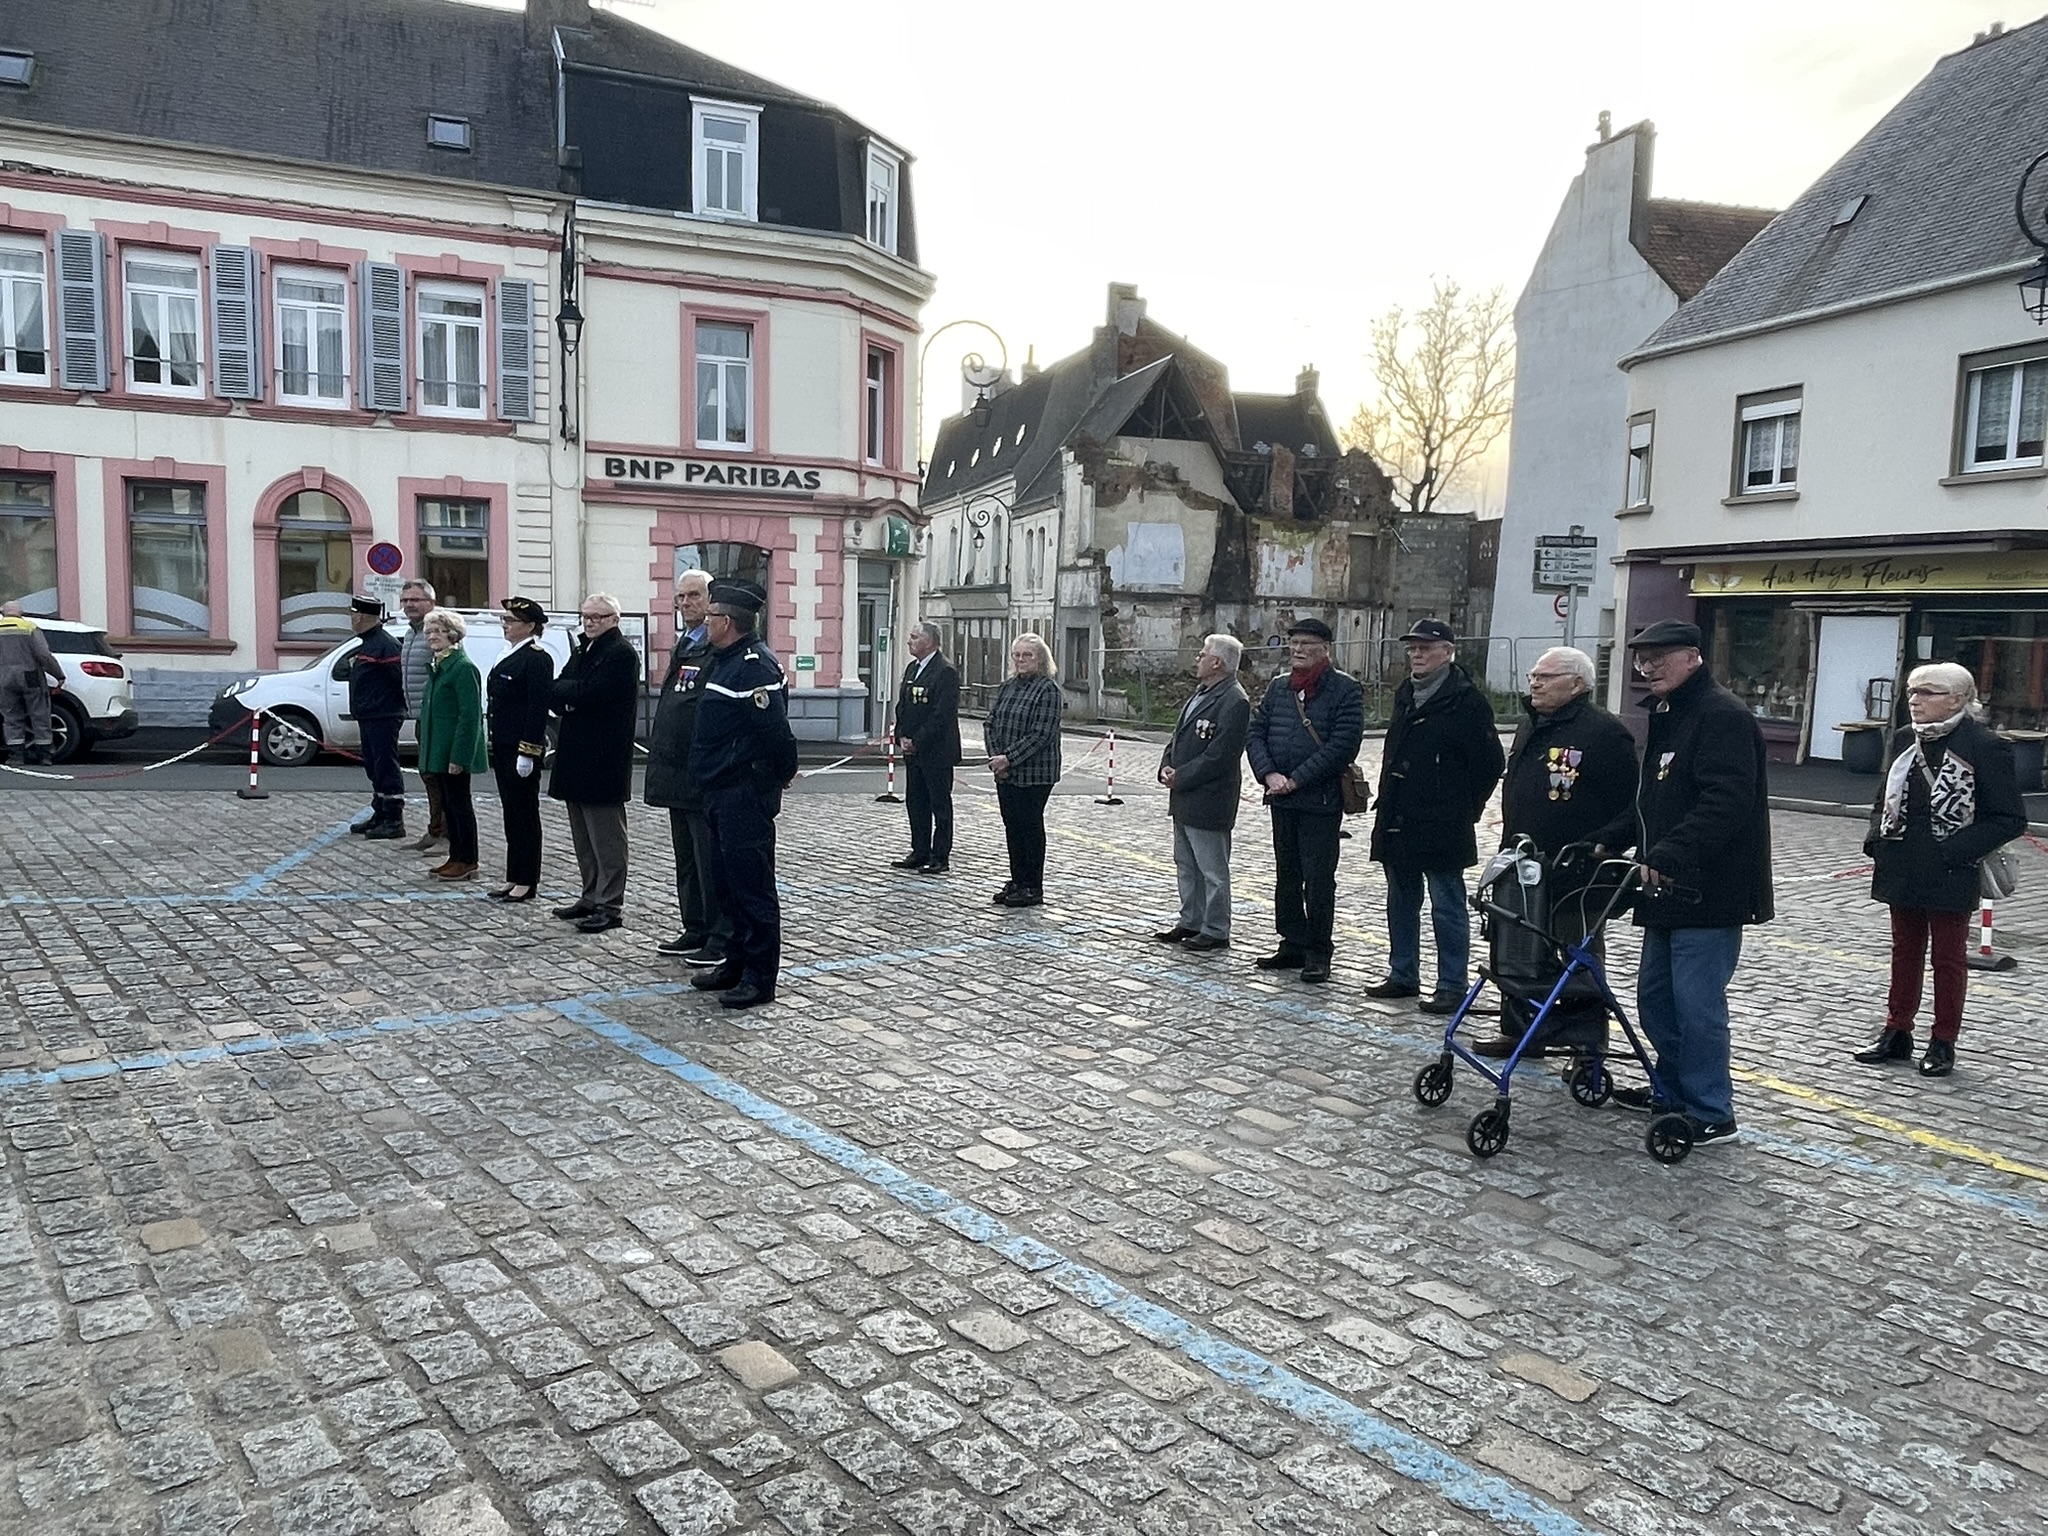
(96, 1320)
(373, 1411)
(755, 1454)
(914, 1414)
(448, 1356)
(989, 1329)
(465, 1511)
(590, 1398)
(529, 1454)
(328, 1506)
(689, 1504)
(580, 1507)
(170, 1458)
(543, 1352)
(638, 1447)
(413, 1461)
(285, 1452)
(807, 1505)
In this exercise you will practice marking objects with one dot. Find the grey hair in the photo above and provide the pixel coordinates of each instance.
(928, 629)
(1571, 659)
(1226, 648)
(1949, 677)
(694, 578)
(1044, 652)
(605, 600)
(419, 584)
(448, 619)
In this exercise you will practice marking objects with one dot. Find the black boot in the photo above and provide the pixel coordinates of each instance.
(1892, 1045)
(390, 822)
(358, 828)
(37, 756)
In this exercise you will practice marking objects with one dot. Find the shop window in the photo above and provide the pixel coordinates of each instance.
(1769, 458)
(24, 328)
(728, 561)
(315, 566)
(167, 560)
(455, 550)
(1758, 652)
(28, 544)
(2007, 406)
(2006, 650)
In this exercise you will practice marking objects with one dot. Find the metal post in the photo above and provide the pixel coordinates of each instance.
(1109, 795)
(253, 791)
(1984, 959)
(889, 795)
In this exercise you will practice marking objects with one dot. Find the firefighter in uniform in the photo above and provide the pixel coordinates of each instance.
(743, 755)
(376, 697)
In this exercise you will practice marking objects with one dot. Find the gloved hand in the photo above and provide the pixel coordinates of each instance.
(525, 767)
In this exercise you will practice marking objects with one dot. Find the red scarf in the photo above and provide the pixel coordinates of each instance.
(1305, 680)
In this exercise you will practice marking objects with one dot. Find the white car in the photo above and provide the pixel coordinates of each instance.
(306, 710)
(97, 702)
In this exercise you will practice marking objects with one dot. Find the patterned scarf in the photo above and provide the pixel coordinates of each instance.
(1951, 793)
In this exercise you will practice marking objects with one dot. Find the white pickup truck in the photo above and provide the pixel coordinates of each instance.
(306, 710)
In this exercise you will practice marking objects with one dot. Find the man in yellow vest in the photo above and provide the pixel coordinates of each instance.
(25, 660)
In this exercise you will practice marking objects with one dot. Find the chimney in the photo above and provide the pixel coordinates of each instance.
(1306, 382)
(1606, 126)
(1030, 370)
(543, 16)
(1126, 309)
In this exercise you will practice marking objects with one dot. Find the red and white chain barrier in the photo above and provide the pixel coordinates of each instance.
(889, 795)
(1109, 795)
(252, 790)
(1983, 958)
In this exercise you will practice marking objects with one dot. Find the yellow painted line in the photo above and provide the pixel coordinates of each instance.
(1849, 1111)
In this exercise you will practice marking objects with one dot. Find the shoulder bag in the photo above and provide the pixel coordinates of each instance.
(1350, 782)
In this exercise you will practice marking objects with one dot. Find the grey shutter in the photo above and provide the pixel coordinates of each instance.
(383, 360)
(515, 349)
(237, 346)
(81, 309)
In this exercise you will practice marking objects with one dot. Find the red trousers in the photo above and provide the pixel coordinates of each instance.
(1912, 929)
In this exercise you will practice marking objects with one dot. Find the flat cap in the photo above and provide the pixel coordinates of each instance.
(526, 611)
(1430, 631)
(743, 595)
(1312, 627)
(1666, 634)
(368, 605)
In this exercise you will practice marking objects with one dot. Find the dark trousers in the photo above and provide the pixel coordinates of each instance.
(1305, 881)
(1023, 808)
(928, 796)
(458, 813)
(380, 762)
(697, 877)
(520, 799)
(437, 820)
(1914, 929)
(742, 822)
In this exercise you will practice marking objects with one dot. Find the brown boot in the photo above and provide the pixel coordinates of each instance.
(454, 871)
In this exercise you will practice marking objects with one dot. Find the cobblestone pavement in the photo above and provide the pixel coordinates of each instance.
(333, 1204)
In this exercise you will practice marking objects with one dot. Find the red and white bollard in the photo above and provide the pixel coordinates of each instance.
(889, 795)
(254, 791)
(1983, 959)
(1109, 796)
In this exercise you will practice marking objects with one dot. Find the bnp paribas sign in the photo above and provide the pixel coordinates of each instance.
(633, 472)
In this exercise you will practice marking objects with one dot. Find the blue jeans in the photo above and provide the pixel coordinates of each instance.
(1682, 1004)
(1449, 917)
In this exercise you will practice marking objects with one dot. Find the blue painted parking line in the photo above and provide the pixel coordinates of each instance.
(291, 861)
(1413, 1457)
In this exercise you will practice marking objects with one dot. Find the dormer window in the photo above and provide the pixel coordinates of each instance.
(724, 158)
(448, 132)
(885, 173)
(17, 68)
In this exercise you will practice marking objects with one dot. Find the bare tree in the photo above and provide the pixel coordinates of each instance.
(1446, 377)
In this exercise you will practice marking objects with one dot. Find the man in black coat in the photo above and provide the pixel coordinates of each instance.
(1201, 772)
(1571, 779)
(1703, 851)
(928, 731)
(597, 697)
(670, 783)
(1304, 734)
(1437, 771)
(376, 697)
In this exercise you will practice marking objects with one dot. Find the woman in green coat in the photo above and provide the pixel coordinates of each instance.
(451, 731)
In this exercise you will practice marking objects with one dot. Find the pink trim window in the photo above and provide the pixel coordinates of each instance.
(28, 345)
(39, 541)
(312, 534)
(881, 401)
(167, 550)
(457, 534)
(725, 399)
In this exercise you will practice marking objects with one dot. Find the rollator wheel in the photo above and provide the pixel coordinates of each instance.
(1488, 1132)
(1433, 1083)
(1669, 1138)
(1591, 1083)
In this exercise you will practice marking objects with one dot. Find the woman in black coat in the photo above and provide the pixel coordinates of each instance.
(517, 690)
(1949, 798)
(598, 698)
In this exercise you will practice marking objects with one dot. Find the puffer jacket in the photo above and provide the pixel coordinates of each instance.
(1281, 743)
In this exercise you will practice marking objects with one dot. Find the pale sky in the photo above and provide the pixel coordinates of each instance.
(1273, 176)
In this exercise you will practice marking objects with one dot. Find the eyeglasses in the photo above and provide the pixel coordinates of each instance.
(1927, 693)
(1547, 677)
(1652, 661)
(598, 618)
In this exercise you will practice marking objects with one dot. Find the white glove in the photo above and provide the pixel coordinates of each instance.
(525, 767)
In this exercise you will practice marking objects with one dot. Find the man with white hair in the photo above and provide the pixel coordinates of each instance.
(1200, 769)
(1571, 778)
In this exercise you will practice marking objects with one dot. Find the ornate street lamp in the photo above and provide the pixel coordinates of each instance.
(569, 329)
(974, 368)
(2030, 207)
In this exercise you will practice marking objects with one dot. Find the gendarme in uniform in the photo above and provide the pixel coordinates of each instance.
(742, 753)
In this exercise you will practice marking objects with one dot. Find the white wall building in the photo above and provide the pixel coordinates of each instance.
(1616, 265)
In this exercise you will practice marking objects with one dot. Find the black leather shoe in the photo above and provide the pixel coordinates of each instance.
(706, 954)
(1641, 1099)
(1892, 1045)
(1202, 943)
(1392, 988)
(936, 867)
(1940, 1059)
(911, 861)
(681, 944)
(1315, 970)
(599, 922)
(719, 979)
(1441, 1002)
(384, 832)
(1021, 898)
(746, 995)
(1285, 960)
(356, 829)
(1176, 933)
(1500, 1047)
(574, 910)
(1002, 896)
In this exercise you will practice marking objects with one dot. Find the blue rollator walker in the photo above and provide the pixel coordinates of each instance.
(1542, 919)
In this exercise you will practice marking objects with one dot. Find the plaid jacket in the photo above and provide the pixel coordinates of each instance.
(1024, 725)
